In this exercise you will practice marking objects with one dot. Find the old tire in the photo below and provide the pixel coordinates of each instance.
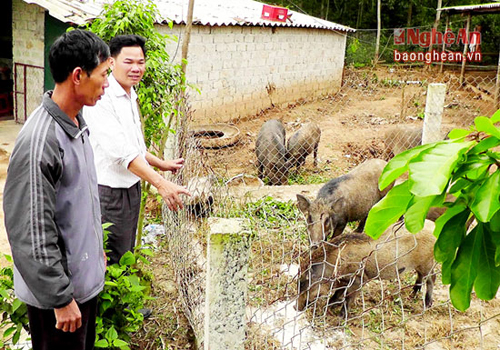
(215, 135)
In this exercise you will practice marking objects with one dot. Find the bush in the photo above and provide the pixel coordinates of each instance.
(123, 296)
(14, 311)
(466, 166)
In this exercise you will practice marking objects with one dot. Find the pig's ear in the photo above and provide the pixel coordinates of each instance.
(317, 271)
(339, 205)
(303, 203)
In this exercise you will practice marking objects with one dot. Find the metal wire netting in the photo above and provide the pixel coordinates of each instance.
(377, 113)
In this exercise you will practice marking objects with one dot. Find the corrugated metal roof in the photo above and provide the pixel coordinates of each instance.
(71, 11)
(240, 12)
(481, 8)
(206, 12)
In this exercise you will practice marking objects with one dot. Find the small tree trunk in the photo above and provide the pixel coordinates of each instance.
(379, 25)
(410, 10)
(466, 47)
(436, 24)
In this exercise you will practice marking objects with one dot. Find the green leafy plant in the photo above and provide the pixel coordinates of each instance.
(303, 178)
(123, 296)
(14, 311)
(390, 83)
(271, 214)
(466, 166)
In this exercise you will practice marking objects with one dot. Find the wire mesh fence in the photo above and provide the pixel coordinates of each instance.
(282, 152)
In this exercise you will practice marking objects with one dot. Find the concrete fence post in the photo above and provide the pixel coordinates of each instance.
(434, 106)
(226, 289)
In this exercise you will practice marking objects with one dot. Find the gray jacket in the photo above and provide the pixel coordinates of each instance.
(52, 212)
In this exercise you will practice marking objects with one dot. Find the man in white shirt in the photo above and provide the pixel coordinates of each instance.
(121, 157)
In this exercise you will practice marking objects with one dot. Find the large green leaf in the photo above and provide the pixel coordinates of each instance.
(486, 202)
(486, 125)
(495, 226)
(465, 268)
(430, 171)
(9, 331)
(398, 165)
(127, 259)
(488, 276)
(494, 229)
(450, 228)
(459, 185)
(473, 167)
(458, 133)
(120, 343)
(457, 208)
(101, 343)
(485, 145)
(388, 210)
(495, 118)
(416, 213)
(111, 334)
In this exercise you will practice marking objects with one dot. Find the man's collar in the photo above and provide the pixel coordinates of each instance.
(62, 118)
(117, 89)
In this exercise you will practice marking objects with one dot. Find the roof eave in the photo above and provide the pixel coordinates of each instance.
(264, 23)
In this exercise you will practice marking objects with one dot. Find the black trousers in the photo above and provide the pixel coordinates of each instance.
(120, 206)
(45, 336)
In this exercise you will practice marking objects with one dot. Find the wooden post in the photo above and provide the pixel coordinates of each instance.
(379, 25)
(434, 106)
(403, 102)
(182, 122)
(187, 35)
(226, 291)
(436, 23)
(443, 47)
(466, 49)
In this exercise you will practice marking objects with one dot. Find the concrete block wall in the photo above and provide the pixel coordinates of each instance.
(28, 28)
(242, 70)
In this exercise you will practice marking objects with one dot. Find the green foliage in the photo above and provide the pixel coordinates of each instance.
(270, 214)
(304, 178)
(14, 311)
(467, 167)
(357, 54)
(123, 295)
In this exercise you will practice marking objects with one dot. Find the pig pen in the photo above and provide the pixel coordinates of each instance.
(353, 124)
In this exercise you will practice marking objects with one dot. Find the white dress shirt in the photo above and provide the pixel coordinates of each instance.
(115, 135)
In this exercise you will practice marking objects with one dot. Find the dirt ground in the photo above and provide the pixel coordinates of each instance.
(352, 125)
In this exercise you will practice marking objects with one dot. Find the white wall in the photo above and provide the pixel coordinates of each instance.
(242, 70)
(28, 27)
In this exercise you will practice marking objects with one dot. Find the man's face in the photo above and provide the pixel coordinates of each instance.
(128, 67)
(92, 87)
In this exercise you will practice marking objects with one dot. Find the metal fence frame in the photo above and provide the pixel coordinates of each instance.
(22, 90)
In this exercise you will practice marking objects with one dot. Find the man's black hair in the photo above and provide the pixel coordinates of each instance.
(120, 41)
(76, 48)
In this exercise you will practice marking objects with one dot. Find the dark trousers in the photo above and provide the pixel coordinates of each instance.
(45, 336)
(120, 206)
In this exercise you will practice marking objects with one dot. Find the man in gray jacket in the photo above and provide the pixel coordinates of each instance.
(51, 201)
